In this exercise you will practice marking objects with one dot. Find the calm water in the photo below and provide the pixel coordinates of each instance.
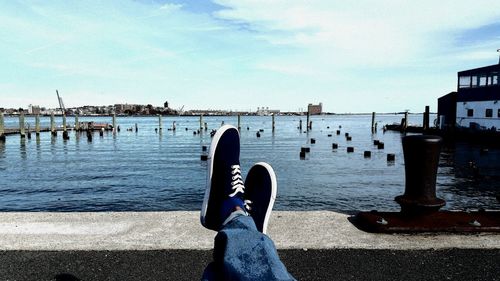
(147, 171)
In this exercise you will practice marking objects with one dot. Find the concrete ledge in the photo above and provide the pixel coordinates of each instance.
(181, 230)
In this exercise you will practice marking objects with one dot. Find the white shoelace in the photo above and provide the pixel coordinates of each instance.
(247, 205)
(237, 180)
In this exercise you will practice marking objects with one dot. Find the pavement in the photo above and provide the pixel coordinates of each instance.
(318, 245)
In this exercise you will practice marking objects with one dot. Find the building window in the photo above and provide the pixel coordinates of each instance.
(464, 82)
(470, 112)
(482, 81)
(474, 81)
(489, 112)
(495, 79)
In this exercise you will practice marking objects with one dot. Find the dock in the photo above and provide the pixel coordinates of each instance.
(315, 245)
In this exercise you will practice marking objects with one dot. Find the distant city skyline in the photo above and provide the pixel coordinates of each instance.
(384, 56)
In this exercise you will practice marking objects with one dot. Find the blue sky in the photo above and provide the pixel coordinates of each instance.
(354, 56)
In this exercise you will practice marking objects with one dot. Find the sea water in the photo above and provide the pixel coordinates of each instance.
(161, 171)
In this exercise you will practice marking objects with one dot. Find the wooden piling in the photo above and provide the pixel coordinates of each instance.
(300, 125)
(77, 124)
(37, 124)
(160, 125)
(65, 129)
(201, 121)
(308, 123)
(274, 123)
(64, 123)
(373, 122)
(21, 125)
(239, 122)
(136, 128)
(405, 123)
(114, 123)
(53, 125)
(2, 127)
(380, 145)
(391, 157)
(425, 125)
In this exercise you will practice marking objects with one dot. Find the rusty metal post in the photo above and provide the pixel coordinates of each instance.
(421, 154)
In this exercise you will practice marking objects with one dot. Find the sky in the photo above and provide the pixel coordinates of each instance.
(353, 56)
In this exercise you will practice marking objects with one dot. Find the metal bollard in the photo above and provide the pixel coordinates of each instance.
(421, 154)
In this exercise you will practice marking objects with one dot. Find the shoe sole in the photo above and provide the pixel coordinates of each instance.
(274, 191)
(211, 153)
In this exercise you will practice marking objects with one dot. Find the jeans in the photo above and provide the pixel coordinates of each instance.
(241, 252)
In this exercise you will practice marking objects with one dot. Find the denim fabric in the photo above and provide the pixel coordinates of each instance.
(241, 252)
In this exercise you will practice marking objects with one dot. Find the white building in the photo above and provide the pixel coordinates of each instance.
(476, 103)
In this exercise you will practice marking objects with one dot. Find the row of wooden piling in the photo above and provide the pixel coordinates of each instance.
(53, 129)
(391, 157)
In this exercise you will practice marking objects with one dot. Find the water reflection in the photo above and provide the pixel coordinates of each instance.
(2, 149)
(38, 147)
(142, 171)
(474, 162)
(22, 149)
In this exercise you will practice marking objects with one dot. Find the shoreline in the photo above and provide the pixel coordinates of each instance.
(221, 115)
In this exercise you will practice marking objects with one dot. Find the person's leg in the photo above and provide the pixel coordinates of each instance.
(241, 251)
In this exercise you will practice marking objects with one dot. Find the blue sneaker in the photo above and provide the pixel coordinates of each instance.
(225, 187)
(261, 188)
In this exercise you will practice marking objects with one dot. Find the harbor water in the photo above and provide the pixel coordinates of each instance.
(162, 171)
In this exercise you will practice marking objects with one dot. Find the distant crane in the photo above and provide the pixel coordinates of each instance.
(181, 110)
(61, 103)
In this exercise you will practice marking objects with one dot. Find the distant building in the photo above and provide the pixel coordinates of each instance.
(315, 109)
(265, 111)
(475, 104)
(33, 109)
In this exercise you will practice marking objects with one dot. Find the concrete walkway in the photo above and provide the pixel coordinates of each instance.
(182, 230)
(173, 246)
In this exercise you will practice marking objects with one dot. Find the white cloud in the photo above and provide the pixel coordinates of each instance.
(279, 53)
(369, 32)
